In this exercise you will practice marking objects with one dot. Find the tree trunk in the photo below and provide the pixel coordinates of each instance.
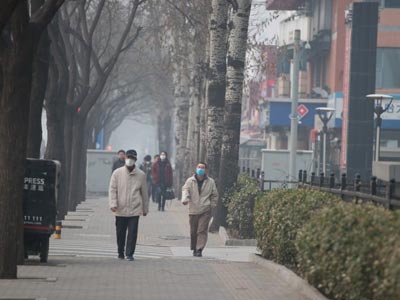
(56, 99)
(68, 119)
(107, 135)
(191, 157)
(181, 121)
(39, 82)
(16, 75)
(164, 132)
(237, 43)
(216, 85)
(75, 178)
(55, 107)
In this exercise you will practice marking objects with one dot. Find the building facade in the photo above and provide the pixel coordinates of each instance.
(323, 51)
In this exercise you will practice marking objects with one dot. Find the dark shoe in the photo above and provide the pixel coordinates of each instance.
(130, 258)
(194, 253)
(121, 256)
(159, 208)
(162, 209)
(198, 253)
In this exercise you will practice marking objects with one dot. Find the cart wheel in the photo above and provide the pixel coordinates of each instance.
(44, 249)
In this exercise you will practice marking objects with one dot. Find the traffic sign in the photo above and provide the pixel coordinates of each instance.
(302, 110)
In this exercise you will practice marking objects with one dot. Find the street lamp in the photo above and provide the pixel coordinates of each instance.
(294, 95)
(325, 114)
(379, 110)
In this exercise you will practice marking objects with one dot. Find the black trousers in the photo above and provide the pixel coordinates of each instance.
(154, 193)
(123, 224)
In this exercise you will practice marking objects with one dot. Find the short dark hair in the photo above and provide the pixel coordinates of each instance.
(131, 153)
(147, 158)
(202, 163)
(121, 151)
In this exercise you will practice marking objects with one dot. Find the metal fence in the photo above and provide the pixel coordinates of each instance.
(267, 184)
(375, 191)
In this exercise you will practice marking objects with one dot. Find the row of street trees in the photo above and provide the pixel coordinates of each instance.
(207, 42)
(93, 63)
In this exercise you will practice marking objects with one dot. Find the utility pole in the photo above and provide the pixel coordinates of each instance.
(294, 96)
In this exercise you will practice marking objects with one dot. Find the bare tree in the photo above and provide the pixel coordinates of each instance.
(237, 42)
(20, 34)
(89, 70)
(216, 84)
(39, 83)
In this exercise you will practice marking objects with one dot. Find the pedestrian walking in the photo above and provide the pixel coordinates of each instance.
(120, 162)
(146, 168)
(162, 178)
(154, 195)
(200, 192)
(128, 199)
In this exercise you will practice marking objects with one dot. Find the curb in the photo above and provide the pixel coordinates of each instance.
(289, 277)
(235, 242)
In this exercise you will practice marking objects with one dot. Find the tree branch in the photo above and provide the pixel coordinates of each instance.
(234, 4)
(186, 16)
(7, 8)
(96, 18)
(132, 41)
(45, 14)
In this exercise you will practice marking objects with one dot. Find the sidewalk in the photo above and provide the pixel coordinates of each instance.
(83, 264)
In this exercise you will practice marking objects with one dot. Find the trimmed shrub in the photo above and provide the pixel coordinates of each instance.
(349, 252)
(390, 287)
(240, 204)
(278, 216)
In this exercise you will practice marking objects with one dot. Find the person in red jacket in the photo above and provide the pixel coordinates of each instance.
(162, 178)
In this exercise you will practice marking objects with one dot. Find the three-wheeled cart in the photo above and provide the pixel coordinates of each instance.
(40, 205)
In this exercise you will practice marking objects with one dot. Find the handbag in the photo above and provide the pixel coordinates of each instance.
(169, 193)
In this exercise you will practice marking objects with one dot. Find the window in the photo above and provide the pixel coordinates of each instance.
(390, 3)
(388, 68)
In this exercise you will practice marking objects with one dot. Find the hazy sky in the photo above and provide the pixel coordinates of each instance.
(133, 135)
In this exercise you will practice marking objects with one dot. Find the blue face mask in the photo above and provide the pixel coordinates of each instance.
(200, 172)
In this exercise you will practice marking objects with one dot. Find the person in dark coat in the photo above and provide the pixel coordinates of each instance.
(146, 168)
(120, 162)
(162, 178)
(154, 195)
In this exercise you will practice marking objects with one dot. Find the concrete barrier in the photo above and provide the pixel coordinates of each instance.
(227, 241)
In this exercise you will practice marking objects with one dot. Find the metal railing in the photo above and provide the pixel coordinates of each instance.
(383, 193)
(267, 184)
(375, 191)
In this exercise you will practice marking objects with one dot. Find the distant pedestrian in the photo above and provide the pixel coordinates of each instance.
(128, 199)
(146, 168)
(154, 195)
(201, 193)
(162, 178)
(120, 162)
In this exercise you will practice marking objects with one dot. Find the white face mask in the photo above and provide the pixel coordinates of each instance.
(162, 157)
(129, 162)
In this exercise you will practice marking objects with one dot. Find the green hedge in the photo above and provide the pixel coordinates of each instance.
(278, 216)
(240, 205)
(352, 252)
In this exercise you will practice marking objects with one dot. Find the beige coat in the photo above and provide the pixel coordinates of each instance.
(200, 203)
(128, 192)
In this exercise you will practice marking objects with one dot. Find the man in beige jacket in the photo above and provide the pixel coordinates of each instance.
(201, 193)
(128, 199)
